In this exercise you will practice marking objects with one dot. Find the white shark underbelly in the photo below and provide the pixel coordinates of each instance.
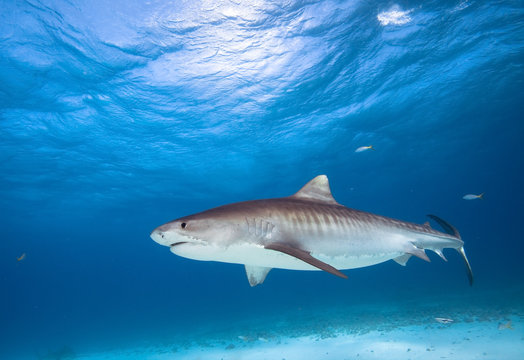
(257, 255)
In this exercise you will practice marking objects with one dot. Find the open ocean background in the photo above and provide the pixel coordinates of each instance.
(118, 116)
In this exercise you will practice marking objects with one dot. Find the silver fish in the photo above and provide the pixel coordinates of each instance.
(473, 197)
(364, 148)
(306, 231)
(444, 320)
(506, 325)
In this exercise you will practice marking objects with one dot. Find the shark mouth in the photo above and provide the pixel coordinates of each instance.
(189, 240)
(178, 243)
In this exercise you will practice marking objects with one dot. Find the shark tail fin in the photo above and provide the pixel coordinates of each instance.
(481, 196)
(468, 266)
(450, 229)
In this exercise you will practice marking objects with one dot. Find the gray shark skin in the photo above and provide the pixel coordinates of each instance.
(306, 231)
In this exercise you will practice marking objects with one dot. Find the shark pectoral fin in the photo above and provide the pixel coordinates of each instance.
(256, 274)
(402, 259)
(306, 257)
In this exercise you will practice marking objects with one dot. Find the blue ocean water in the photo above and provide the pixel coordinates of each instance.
(116, 117)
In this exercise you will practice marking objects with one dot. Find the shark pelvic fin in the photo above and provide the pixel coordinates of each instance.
(420, 253)
(306, 257)
(316, 190)
(256, 274)
(403, 259)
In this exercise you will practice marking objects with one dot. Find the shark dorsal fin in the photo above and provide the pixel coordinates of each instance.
(316, 190)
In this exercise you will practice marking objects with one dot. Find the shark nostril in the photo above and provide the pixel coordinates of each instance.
(159, 236)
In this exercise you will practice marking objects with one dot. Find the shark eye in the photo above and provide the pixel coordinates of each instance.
(183, 225)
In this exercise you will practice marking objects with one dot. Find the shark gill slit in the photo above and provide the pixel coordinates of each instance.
(247, 225)
(263, 228)
(289, 219)
(258, 227)
(292, 220)
(305, 222)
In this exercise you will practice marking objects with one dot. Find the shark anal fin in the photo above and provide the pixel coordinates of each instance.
(256, 274)
(402, 259)
(306, 257)
(441, 254)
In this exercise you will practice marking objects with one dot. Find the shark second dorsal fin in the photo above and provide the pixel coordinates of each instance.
(316, 190)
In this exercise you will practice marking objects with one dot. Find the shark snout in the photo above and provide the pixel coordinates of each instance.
(159, 236)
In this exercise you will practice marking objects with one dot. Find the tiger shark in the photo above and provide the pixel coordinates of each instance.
(306, 231)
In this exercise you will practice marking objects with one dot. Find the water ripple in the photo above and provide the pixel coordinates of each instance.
(139, 92)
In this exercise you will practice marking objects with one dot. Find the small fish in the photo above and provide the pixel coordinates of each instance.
(262, 339)
(21, 257)
(503, 326)
(444, 320)
(243, 338)
(473, 196)
(365, 148)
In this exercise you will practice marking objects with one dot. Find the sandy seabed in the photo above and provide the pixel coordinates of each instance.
(471, 340)
(483, 325)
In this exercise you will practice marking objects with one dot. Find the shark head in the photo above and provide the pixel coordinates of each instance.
(199, 236)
